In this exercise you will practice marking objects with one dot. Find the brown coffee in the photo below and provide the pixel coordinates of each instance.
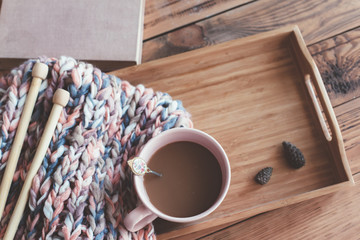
(191, 180)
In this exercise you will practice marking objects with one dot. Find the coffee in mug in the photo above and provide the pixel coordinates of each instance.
(190, 182)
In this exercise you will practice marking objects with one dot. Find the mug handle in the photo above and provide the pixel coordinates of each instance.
(139, 218)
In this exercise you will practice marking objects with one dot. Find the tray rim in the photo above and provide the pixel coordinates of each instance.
(295, 41)
(308, 67)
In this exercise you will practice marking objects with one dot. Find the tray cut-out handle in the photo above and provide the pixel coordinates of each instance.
(318, 110)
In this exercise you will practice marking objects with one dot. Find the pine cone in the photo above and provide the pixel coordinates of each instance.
(264, 175)
(293, 155)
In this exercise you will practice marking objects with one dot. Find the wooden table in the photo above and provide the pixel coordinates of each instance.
(331, 30)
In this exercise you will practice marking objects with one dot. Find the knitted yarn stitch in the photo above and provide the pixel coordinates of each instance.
(84, 187)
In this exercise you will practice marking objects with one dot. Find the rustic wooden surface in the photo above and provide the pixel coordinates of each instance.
(331, 29)
(164, 16)
(317, 19)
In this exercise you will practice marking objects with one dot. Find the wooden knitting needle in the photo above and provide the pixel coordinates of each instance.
(60, 99)
(39, 73)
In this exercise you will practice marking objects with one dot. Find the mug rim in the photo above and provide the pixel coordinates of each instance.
(140, 188)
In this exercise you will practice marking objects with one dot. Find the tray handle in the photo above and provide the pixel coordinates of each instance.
(318, 110)
(333, 137)
(314, 84)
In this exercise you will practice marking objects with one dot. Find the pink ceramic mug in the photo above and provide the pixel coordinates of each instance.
(146, 212)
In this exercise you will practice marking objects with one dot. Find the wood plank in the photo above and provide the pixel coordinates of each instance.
(338, 61)
(317, 19)
(348, 116)
(195, 234)
(339, 64)
(163, 16)
(334, 216)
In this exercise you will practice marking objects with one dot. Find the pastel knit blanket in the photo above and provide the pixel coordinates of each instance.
(84, 188)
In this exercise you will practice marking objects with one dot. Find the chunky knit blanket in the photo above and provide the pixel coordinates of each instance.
(84, 188)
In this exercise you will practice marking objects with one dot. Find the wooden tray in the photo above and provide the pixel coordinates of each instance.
(251, 94)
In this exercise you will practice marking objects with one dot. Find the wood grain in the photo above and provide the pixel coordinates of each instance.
(317, 217)
(163, 16)
(348, 115)
(320, 216)
(323, 217)
(317, 19)
(330, 217)
(259, 84)
(338, 61)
